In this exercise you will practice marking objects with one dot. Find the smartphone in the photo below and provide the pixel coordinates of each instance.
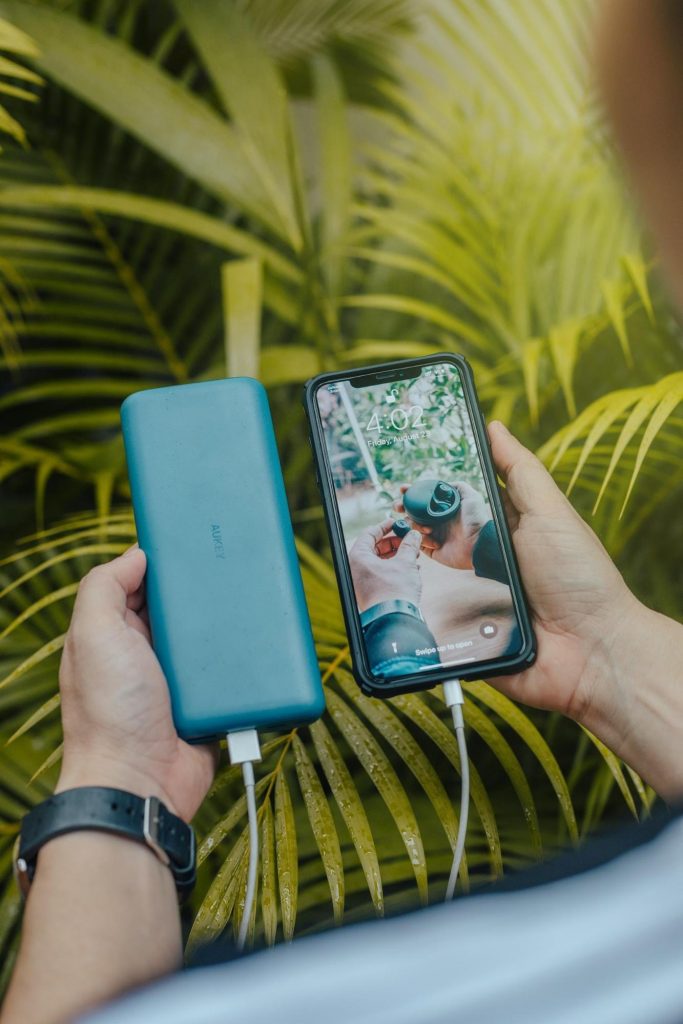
(427, 574)
(226, 604)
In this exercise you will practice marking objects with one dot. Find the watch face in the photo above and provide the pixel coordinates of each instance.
(415, 510)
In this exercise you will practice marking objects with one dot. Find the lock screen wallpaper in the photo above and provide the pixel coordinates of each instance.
(428, 572)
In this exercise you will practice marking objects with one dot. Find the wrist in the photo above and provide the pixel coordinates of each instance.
(635, 694)
(101, 770)
(382, 595)
(393, 607)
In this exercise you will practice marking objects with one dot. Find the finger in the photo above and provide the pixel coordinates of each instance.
(429, 544)
(417, 526)
(137, 623)
(106, 589)
(410, 547)
(466, 490)
(511, 513)
(136, 600)
(529, 484)
(386, 547)
(398, 505)
(366, 542)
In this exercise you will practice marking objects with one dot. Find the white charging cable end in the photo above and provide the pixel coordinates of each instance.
(244, 748)
(454, 697)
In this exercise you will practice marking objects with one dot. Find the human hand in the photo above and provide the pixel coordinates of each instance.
(603, 658)
(384, 567)
(116, 711)
(577, 596)
(461, 532)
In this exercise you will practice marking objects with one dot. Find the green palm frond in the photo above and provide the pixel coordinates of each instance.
(154, 107)
(15, 296)
(616, 441)
(89, 307)
(17, 43)
(291, 29)
(500, 213)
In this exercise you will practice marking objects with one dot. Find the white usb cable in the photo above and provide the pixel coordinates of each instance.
(244, 749)
(454, 698)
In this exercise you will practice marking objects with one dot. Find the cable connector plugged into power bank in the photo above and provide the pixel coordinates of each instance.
(243, 746)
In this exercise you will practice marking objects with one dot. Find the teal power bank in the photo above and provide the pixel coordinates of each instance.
(226, 604)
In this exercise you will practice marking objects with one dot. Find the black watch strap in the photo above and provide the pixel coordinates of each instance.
(146, 820)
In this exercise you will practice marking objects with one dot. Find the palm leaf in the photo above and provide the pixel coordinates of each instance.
(286, 854)
(646, 408)
(217, 906)
(291, 29)
(259, 114)
(242, 297)
(421, 714)
(377, 765)
(616, 769)
(336, 169)
(523, 726)
(389, 726)
(154, 107)
(322, 824)
(529, 245)
(351, 807)
(268, 891)
(19, 44)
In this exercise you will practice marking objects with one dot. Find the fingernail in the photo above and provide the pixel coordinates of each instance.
(499, 426)
(130, 550)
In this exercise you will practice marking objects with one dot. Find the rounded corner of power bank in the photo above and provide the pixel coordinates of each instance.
(128, 403)
(299, 714)
(250, 384)
(317, 708)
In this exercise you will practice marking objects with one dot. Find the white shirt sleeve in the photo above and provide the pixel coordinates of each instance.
(602, 946)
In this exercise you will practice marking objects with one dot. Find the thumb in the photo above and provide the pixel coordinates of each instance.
(409, 547)
(366, 542)
(104, 592)
(530, 486)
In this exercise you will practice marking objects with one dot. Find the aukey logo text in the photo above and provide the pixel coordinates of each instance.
(218, 547)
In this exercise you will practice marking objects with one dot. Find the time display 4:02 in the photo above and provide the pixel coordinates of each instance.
(399, 419)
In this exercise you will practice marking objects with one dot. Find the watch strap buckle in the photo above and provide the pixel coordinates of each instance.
(184, 874)
(22, 873)
(150, 828)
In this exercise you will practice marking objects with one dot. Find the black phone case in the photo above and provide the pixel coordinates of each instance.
(369, 683)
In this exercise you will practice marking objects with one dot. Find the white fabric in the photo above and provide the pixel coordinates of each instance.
(602, 947)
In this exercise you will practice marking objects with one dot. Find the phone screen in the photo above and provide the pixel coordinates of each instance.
(429, 575)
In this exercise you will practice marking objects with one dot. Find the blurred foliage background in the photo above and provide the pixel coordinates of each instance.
(276, 187)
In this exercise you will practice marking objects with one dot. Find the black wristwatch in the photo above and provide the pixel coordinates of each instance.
(144, 819)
